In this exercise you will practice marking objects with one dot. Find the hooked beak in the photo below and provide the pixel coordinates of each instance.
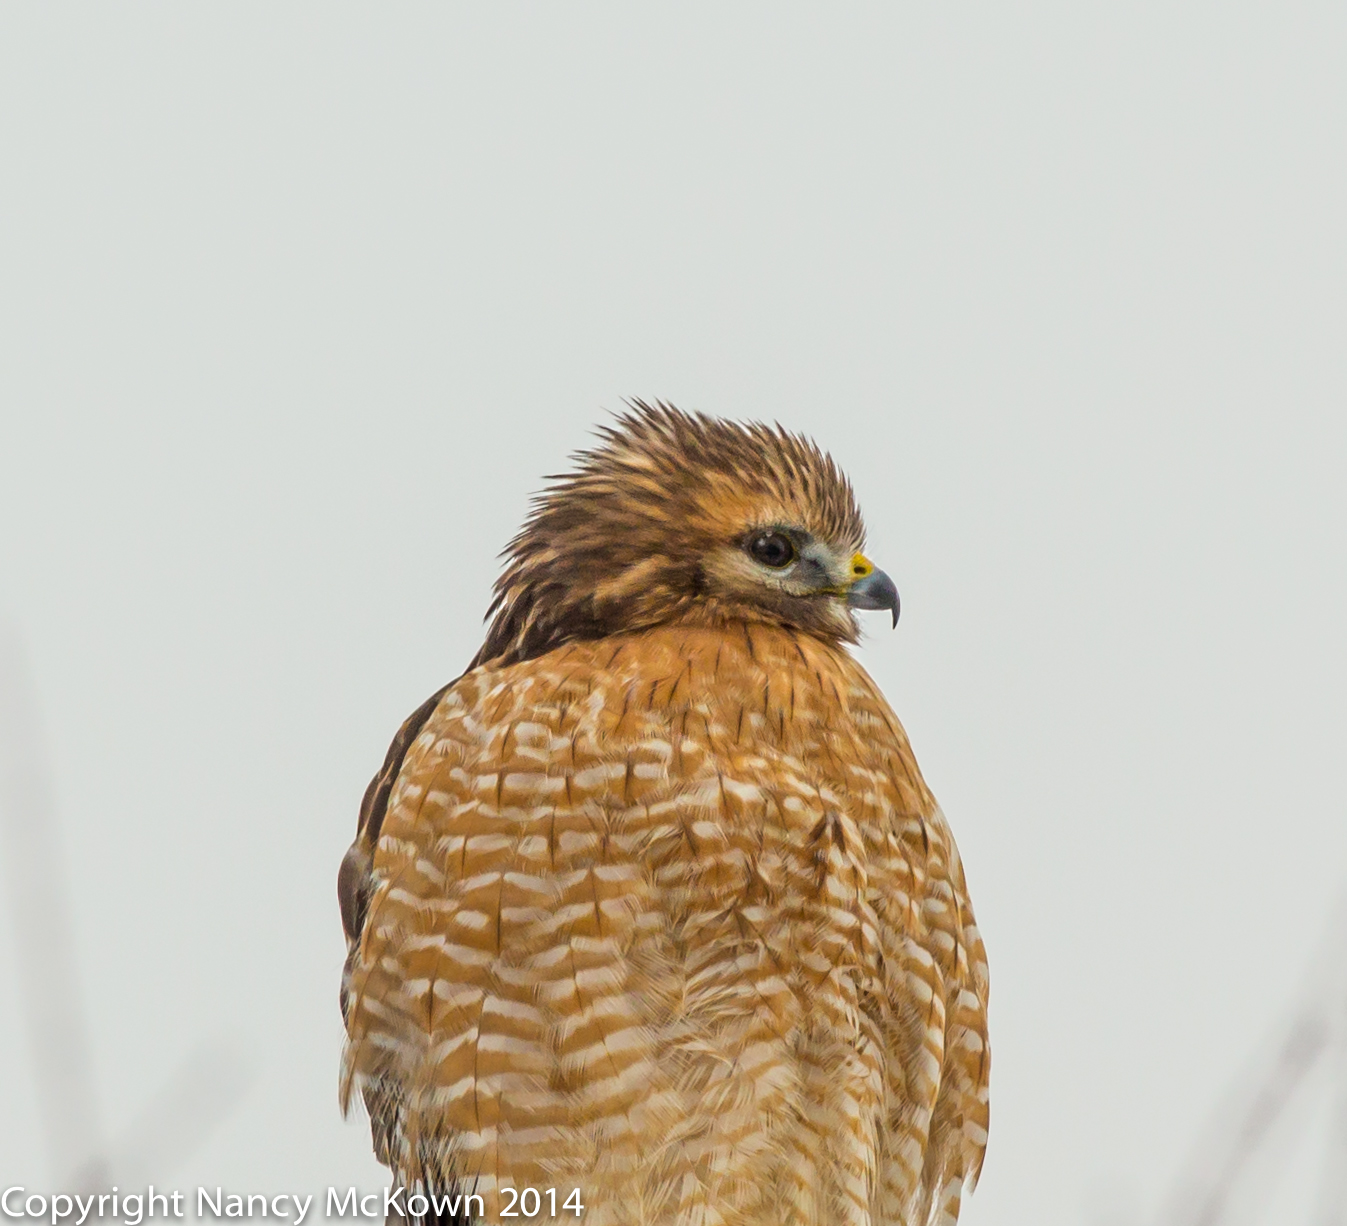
(871, 588)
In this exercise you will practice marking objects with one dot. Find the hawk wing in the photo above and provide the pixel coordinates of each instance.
(353, 878)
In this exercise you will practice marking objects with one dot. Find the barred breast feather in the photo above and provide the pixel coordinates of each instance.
(669, 917)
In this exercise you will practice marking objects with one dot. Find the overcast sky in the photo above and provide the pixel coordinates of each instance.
(299, 303)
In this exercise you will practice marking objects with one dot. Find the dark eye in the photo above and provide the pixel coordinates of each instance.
(772, 549)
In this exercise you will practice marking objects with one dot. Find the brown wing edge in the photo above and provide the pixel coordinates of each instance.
(354, 876)
(354, 883)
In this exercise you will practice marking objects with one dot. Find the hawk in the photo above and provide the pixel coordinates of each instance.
(651, 910)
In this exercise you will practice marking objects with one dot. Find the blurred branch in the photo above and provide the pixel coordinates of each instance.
(206, 1086)
(1242, 1128)
(39, 907)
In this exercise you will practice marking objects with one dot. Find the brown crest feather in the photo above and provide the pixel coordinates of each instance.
(618, 544)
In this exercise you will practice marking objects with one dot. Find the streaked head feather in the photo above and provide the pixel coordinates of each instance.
(640, 533)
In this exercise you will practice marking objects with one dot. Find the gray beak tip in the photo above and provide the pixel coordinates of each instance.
(875, 591)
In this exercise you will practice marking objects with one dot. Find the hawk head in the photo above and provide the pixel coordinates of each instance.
(681, 518)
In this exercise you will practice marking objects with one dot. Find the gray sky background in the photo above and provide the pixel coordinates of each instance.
(298, 303)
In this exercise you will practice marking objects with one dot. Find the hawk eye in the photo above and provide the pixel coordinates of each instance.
(772, 549)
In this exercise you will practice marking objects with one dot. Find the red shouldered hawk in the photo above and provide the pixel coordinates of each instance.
(652, 902)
